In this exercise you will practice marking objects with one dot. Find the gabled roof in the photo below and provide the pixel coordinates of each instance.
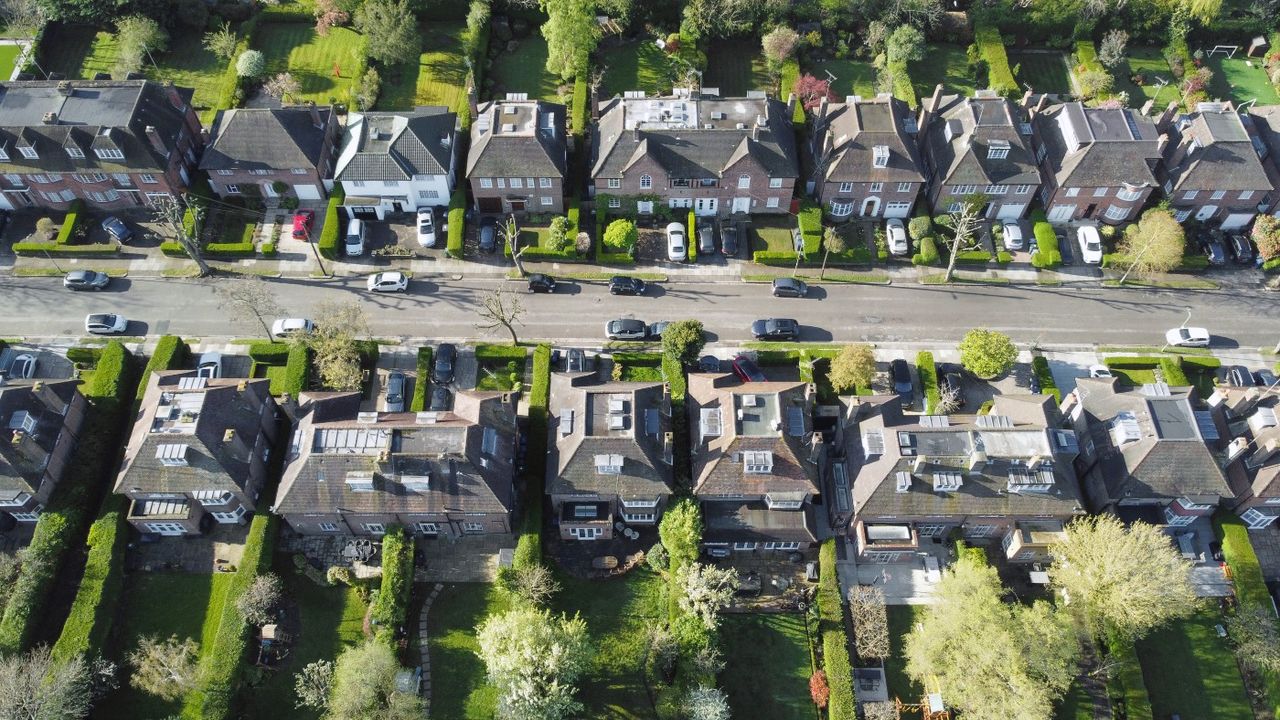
(1098, 147)
(382, 146)
(1211, 150)
(518, 138)
(31, 420)
(855, 129)
(958, 134)
(266, 138)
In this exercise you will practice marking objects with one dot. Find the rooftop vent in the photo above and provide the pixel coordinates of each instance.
(1124, 428)
(508, 127)
(50, 118)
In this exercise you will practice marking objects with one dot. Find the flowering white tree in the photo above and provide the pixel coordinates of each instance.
(534, 658)
(707, 590)
(706, 703)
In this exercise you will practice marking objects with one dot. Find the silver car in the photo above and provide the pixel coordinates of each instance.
(105, 324)
(210, 365)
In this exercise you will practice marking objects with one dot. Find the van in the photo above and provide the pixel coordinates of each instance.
(353, 246)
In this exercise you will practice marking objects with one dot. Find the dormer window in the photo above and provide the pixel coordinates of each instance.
(757, 462)
(4, 153)
(109, 153)
(75, 152)
(28, 152)
(609, 464)
(997, 151)
(880, 156)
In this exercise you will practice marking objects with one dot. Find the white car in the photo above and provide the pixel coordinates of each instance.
(1090, 245)
(676, 242)
(22, 367)
(390, 281)
(1187, 337)
(426, 227)
(1013, 237)
(1099, 371)
(288, 327)
(896, 235)
(105, 324)
(210, 365)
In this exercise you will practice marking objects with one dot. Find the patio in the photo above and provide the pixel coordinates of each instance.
(903, 583)
(218, 550)
(575, 556)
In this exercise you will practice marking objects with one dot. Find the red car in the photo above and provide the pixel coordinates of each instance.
(302, 222)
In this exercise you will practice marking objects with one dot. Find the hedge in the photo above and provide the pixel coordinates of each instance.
(902, 87)
(673, 373)
(269, 352)
(1048, 255)
(1087, 55)
(973, 257)
(419, 401)
(173, 248)
(1271, 265)
(1193, 263)
(788, 78)
(928, 381)
(230, 250)
(529, 544)
(86, 354)
(170, 354)
(1171, 369)
(94, 609)
(328, 242)
(842, 704)
(579, 111)
(457, 223)
(1048, 386)
(991, 48)
(928, 254)
(297, 368)
(69, 222)
(1246, 577)
(964, 551)
(604, 258)
(37, 249)
(1138, 362)
(391, 608)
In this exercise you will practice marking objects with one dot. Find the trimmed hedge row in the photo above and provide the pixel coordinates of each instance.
(391, 607)
(902, 87)
(604, 258)
(297, 369)
(457, 223)
(928, 254)
(1171, 368)
(842, 704)
(529, 545)
(691, 236)
(1048, 255)
(269, 352)
(230, 250)
(170, 353)
(328, 242)
(928, 372)
(991, 48)
(419, 401)
(1125, 685)
(69, 222)
(94, 609)
(578, 114)
(673, 373)
(29, 249)
(790, 75)
(173, 248)
(1246, 576)
(1048, 386)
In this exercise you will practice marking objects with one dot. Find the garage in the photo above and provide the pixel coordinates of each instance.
(362, 212)
(307, 192)
(1011, 211)
(897, 209)
(1235, 221)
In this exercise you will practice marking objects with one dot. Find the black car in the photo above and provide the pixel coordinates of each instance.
(439, 399)
(446, 359)
(729, 238)
(789, 288)
(1241, 249)
(655, 329)
(395, 391)
(625, 285)
(900, 373)
(1239, 376)
(709, 363)
(117, 229)
(775, 329)
(1212, 248)
(539, 283)
(746, 368)
(706, 239)
(576, 361)
(488, 235)
(85, 280)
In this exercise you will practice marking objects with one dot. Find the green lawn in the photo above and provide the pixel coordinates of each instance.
(439, 77)
(77, 51)
(637, 372)
(735, 66)
(1149, 63)
(946, 64)
(1240, 79)
(525, 71)
(767, 666)
(194, 67)
(188, 605)
(1192, 672)
(1046, 72)
(772, 233)
(458, 687)
(310, 58)
(901, 620)
(8, 60)
(1075, 705)
(636, 66)
(1135, 377)
(852, 77)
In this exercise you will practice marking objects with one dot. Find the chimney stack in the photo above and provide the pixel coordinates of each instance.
(50, 118)
(1026, 99)
(1044, 100)
(926, 111)
(26, 447)
(156, 141)
(1165, 121)
(1146, 107)
(64, 88)
(236, 444)
(315, 114)
(174, 98)
(822, 108)
(755, 132)
(791, 105)
(1161, 143)
(635, 133)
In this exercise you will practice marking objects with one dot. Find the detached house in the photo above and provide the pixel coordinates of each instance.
(519, 156)
(272, 152)
(609, 455)
(1096, 163)
(1263, 124)
(198, 453)
(113, 144)
(1213, 169)
(977, 145)
(865, 158)
(41, 424)
(917, 479)
(757, 464)
(1247, 416)
(440, 474)
(715, 155)
(396, 162)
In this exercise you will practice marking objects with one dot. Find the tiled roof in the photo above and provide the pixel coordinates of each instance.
(531, 149)
(1097, 147)
(40, 418)
(397, 145)
(975, 125)
(856, 129)
(266, 138)
(1211, 150)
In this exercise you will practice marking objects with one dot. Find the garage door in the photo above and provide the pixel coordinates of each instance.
(1011, 212)
(1234, 221)
(307, 192)
(1061, 213)
(897, 209)
(362, 212)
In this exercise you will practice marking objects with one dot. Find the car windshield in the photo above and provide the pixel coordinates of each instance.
(1092, 245)
(1184, 333)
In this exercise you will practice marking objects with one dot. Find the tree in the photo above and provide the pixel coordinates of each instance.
(364, 686)
(33, 686)
(164, 668)
(778, 45)
(510, 232)
(819, 690)
(532, 583)
(370, 87)
(500, 309)
(258, 603)
(706, 590)
(329, 15)
(706, 703)
(904, 44)
(683, 340)
(622, 234)
(949, 399)
(870, 622)
(681, 532)
(1266, 233)
(391, 30)
(810, 91)
(250, 65)
(964, 223)
(9, 568)
(333, 344)
(477, 21)
(572, 33)
(1094, 82)
(136, 36)
(987, 353)
(557, 233)
(250, 298)
(23, 17)
(832, 242)
(284, 86)
(853, 368)
(1256, 637)
(1129, 580)
(313, 684)
(1154, 244)
(1111, 49)
(990, 659)
(533, 659)
(222, 42)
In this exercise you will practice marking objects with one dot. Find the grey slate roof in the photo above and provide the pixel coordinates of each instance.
(530, 149)
(1098, 147)
(22, 468)
(855, 129)
(1210, 150)
(755, 522)
(89, 115)
(266, 138)
(381, 146)
(976, 122)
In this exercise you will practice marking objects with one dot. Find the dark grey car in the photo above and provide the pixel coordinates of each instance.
(488, 235)
(900, 373)
(85, 280)
(446, 359)
(395, 391)
(626, 329)
(775, 329)
(707, 239)
(789, 288)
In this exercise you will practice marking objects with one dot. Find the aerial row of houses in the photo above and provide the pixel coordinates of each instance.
(116, 144)
(772, 467)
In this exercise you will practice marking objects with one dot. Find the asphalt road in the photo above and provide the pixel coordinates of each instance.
(1049, 316)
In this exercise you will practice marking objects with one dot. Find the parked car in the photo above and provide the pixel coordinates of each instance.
(1090, 245)
(539, 283)
(625, 285)
(439, 399)
(446, 358)
(1099, 371)
(426, 227)
(209, 365)
(286, 327)
(85, 280)
(729, 238)
(1265, 378)
(655, 329)
(707, 239)
(395, 391)
(626, 329)
(353, 244)
(789, 288)
(896, 236)
(116, 228)
(576, 360)
(709, 364)
(488, 235)
(676, 242)
(900, 373)
(775, 329)
(303, 221)
(1013, 239)
(1187, 337)
(105, 324)
(1241, 249)
(389, 281)
(1212, 247)
(745, 367)
(17, 366)
(1239, 376)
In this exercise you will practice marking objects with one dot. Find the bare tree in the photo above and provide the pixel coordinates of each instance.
(870, 622)
(250, 298)
(312, 685)
(964, 222)
(33, 685)
(949, 399)
(501, 309)
(832, 242)
(333, 342)
(173, 211)
(23, 17)
(284, 86)
(164, 668)
(257, 604)
(534, 584)
(880, 710)
(510, 231)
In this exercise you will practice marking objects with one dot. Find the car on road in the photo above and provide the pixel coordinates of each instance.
(626, 329)
(1265, 378)
(439, 399)
(116, 228)
(1241, 249)
(395, 391)
(445, 361)
(1099, 371)
(1013, 239)
(707, 239)
(625, 285)
(105, 324)
(1187, 337)
(896, 236)
(303, 221)
(775, 329)
(745, 367)
(209, 366)
(729, 238)
(1239, 376)
(540, 283)
(1090, 245)
(426, 227)
(488, 235)
(789, 288)
(353, 244)
(388, 281)
(656, 329)
(85, 280)
(900, 373)
(19, 367)
(287, 327)
(676, 242)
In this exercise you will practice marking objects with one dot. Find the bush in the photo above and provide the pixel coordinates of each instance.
(579, 111)
(1048, 386)
(987, 353)
(94, 608)
(268, 249)
(919, 226)
(691, 236)
(1047, 256)
(928, 254)
(39, 249)
(605, 258)
(269, 352)
(297, 369)
(529, 544)
(328, 242)
(69, 223)
(835, 641)
(230, 250)
(1171, 370)
(84, 354)
(991, 47)
(391, 608)
(457, 223)
(419, 402)
(973, 257)
(173, 248)
(170, 354)
(928, 381)
(1004, 258)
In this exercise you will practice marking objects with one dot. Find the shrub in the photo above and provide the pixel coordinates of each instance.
(1047, 256)
(391, 608)
(419, 402)
(579, 111)
(928, 381)
(621, 236)
(230, 250)
(529, 544)
(457, 223)
(1004, 258)
(919, 226)
(987, 353)
(269, 352)
(94, 608)
(173, 248)
(928, 254)
(835, 641)
(170, 354)
(268, 249)
(691, 236)
(251, 64)
(1171, 370)
(328, 242)
(297, 369)
(991, 46)
(69, 223)
(1048, 386)
(83, 354)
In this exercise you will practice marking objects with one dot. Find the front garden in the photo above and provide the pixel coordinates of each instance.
(499, 367)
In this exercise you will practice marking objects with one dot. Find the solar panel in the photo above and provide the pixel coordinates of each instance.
(795, 421)
(935, 421)
(651, 423)
(1204, 421)
(994, 421)
(842, 487)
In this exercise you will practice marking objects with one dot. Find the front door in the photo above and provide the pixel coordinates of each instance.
(742, 204)
(704, 206)
(1061, 213)
(1206, 212)
(870, 207)
(517, 206)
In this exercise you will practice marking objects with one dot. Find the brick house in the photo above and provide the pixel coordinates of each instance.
(865, 158)
(42, 420)
(609, 454)
(113, 144)
(252, 149)
(439, 474)
(1212, 168)
(1096, 163)
(974, 145)
(1246, 419)
(1263, 124)
(519, 156)
(198, 453)
(757, 466)
(397, 161)
(918, 479)
(715, 155)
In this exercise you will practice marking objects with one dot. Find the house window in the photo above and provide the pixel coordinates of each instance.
(744, 182)
(930, 530)
(586, 533)
(775, 183)
(1072, 192)
(1100, 192)
(546, 200)
(166, 528)
(544, 182)
(516, 183)
(904, 187)
(1218, 195)
(744, 546)
(841, 209)
(229, 517)
(1255, 519)
(15, 180)
(375, 528)
(51, 196)
(954, 207)
(615, 183)
(997, 153)
(328, 527)
(1246, 194)
(486, 183)
(428, 528)
(846, 187)
(1189, 195)
(771, 202)
(260, 171)
(646, 182)
(298, 171)
(472, 527)
(1177, 520)
(1128, 195)
(109, 153)
(1116, 212)
(4, 154)
(147, 178)
(979, 530)
(428, 194)
(615, 202)
(233, 189)
(40, 179)
(1182, 215)
(876, 187)
(502, 183)
(224, 172)
(28, 152)
(75, 152)
(392, 183)
(963, 189)
(997, 189)
(96, 196)
(1041, 153)
(638, 517)
(1021, 189)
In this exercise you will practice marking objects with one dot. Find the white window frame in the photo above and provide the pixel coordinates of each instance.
(744, 182)
(547, 200)
(997, 153)
(1181, 215)
(876, 187)
(1218, 195)
(615, 183)
(771, 202)
(428, 528)
(1176, 520)
(1189, 195)
(1073, 192)
(1246, 194)
(1021, 189)
(486, 183)
(1116, 212)
(646, 182)
(472, 527)
(28, 152)
(979, 531)
(374, 528)
(639, 518)
(328, 527)
(544, 183)
(586, 533)
(75, 152)
(1256, 519)
(997, 189)
(931, 530)
(147, 178)
(516, 183)
(846, 187)
(775, 183)
(745, 546)
(841, 209)
(1100, 192)
(615, 202)
(109, 153)
(233, 189)
(904, 187)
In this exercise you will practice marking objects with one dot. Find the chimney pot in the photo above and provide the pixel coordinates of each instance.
(1161, 143)
(64, 87)
(50, 118)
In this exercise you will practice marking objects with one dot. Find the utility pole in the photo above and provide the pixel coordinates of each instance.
(316, 251)
(171, 210)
